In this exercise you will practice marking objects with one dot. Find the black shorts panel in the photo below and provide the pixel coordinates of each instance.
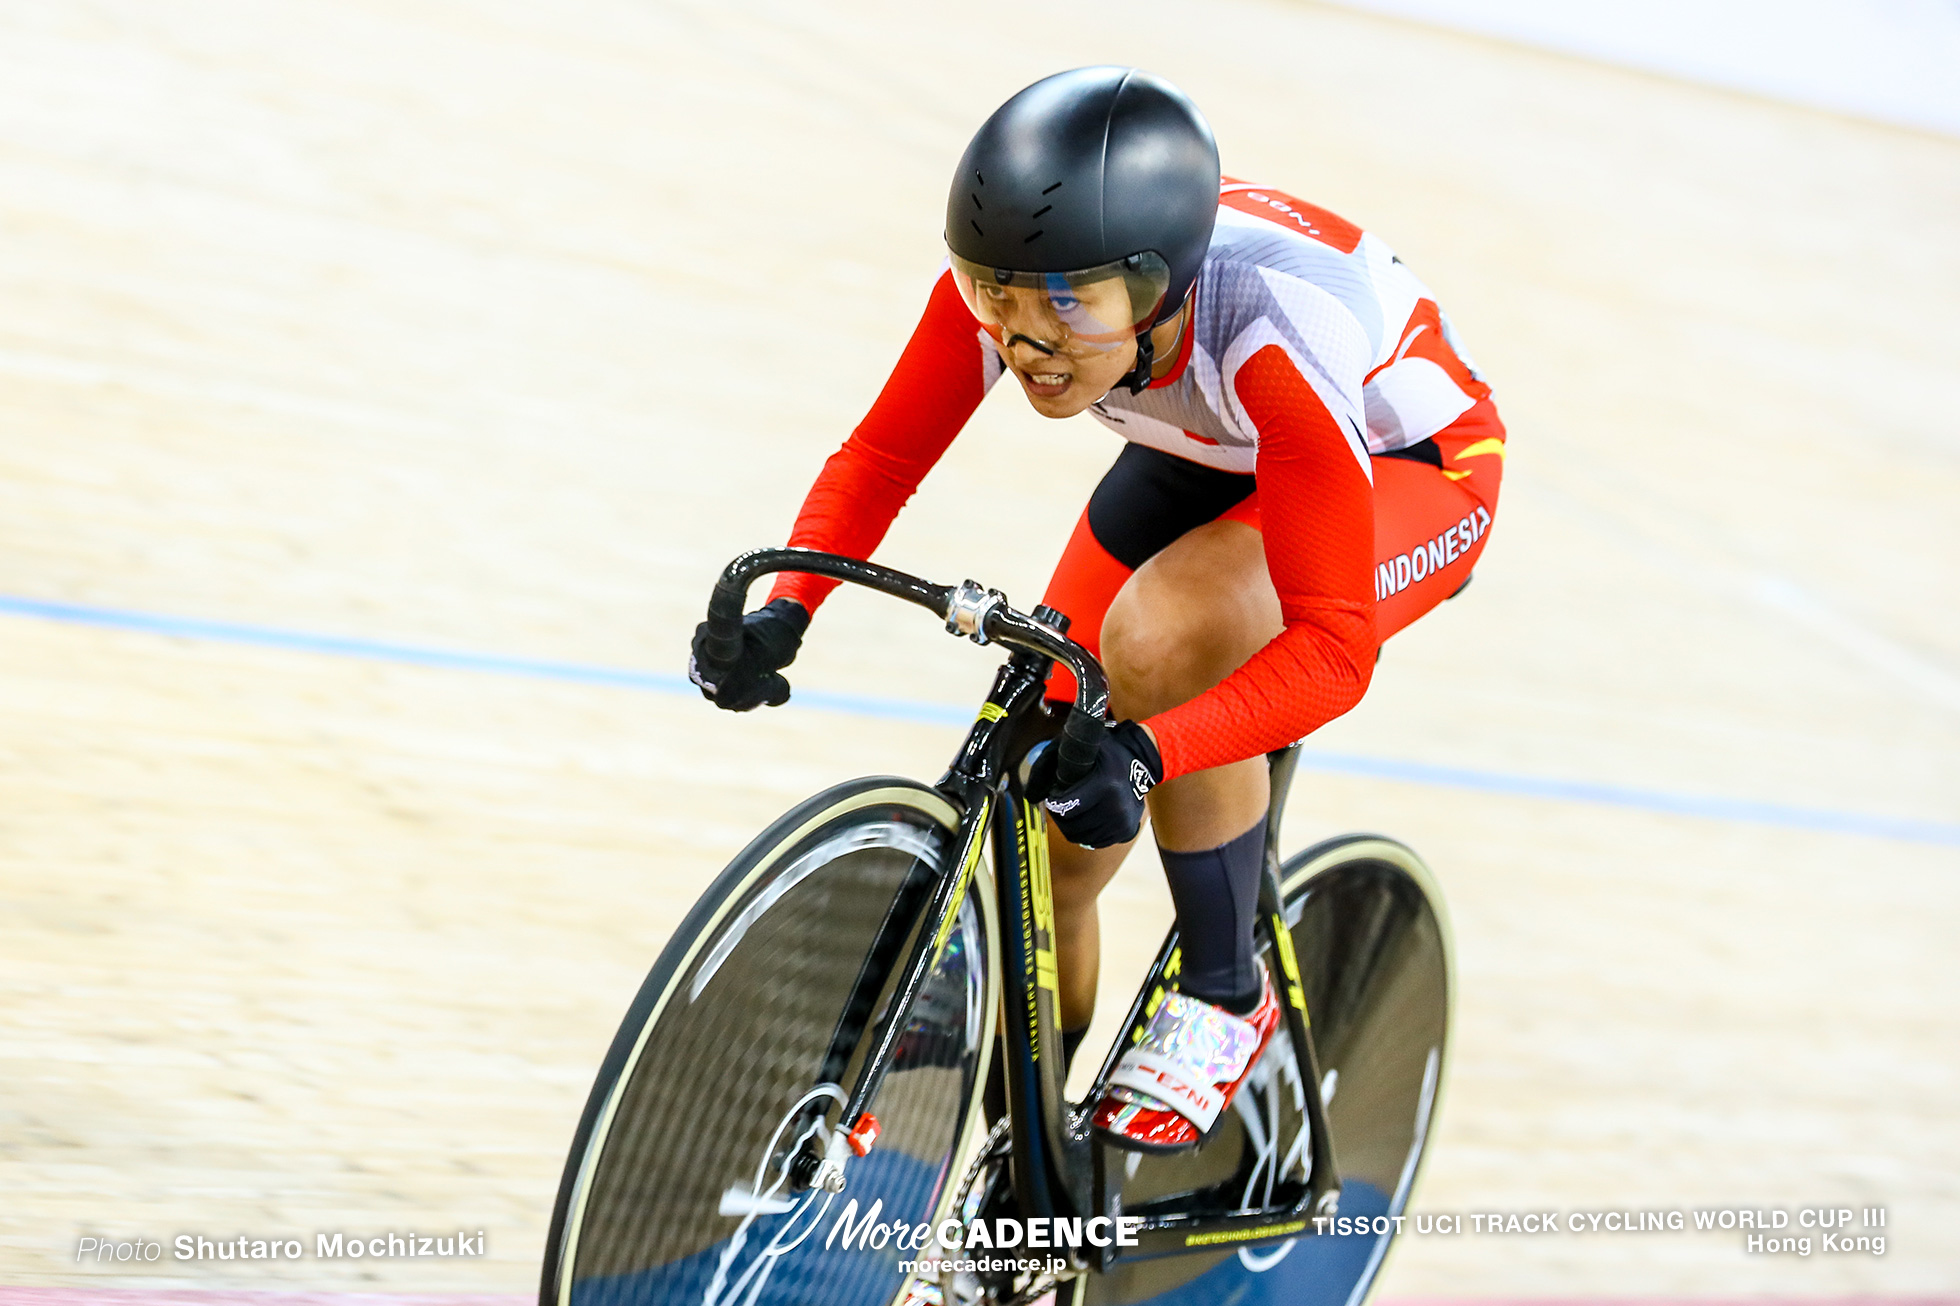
(1148, 498)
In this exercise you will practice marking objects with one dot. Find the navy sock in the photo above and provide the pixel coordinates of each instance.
(1217, 896)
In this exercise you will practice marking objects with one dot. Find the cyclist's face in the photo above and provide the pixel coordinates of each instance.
(1066, 346)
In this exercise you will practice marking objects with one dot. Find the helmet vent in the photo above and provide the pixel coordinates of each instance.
(1038, 212)
(976, 202)
(976, 226)
(1032, 239)
(1052, 189)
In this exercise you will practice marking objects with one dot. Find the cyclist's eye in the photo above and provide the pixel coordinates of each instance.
(1065, 303)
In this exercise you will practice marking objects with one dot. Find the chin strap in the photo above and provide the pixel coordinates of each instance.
(1137, 379)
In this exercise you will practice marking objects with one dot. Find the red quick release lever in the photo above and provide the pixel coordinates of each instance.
(863, 1134)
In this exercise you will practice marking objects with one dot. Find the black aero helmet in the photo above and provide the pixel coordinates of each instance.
(1081, 178)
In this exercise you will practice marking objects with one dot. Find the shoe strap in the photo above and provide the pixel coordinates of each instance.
(1172, 1084)
(1201, 1037)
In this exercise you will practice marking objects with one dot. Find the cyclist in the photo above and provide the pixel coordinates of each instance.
(1311, 463)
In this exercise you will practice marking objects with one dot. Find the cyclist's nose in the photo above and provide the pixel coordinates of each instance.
(1030, 317)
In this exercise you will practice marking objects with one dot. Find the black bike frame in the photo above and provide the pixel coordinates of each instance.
(1059, 1168)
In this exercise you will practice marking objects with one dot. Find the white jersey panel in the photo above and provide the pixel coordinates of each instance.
(1155, 433)
(1347, 320)
(1336, 351)
(1414, 394)
(1260, 336)
(1397, 291)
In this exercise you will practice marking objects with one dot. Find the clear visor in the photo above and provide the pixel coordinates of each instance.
(1089, 311)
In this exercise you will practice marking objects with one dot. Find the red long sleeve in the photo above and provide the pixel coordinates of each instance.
(1316, 509)
(938, 382)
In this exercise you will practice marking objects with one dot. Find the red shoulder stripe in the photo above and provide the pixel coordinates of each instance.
(1287, 211)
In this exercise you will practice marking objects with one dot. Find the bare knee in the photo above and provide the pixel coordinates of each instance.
(1155, 660)
(1188, 618)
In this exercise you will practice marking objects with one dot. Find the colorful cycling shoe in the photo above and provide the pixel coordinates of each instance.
(1168, 1091)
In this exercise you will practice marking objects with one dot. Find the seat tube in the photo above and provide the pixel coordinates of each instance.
(1323, 1179)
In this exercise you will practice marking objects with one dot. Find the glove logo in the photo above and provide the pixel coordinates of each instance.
(1140, 781)
(694, 674)
(1064, 807)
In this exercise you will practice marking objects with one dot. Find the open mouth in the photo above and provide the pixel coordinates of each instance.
(1048, 384)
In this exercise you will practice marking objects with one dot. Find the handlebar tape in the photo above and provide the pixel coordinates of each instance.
(724, 643)
(1082, 735)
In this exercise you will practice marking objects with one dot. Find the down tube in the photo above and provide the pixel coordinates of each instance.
(1033, 1049)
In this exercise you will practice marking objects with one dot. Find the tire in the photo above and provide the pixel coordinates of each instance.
(1373, 940)
(721, 1064)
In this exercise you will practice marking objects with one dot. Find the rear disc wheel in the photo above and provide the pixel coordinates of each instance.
(1373, 941)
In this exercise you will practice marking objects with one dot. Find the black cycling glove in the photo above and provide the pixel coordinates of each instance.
(1104, 807)
(770, 637)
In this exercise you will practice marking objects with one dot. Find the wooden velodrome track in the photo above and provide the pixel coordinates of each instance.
(496, 328)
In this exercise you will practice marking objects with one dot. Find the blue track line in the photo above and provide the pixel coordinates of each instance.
(1381, 768)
